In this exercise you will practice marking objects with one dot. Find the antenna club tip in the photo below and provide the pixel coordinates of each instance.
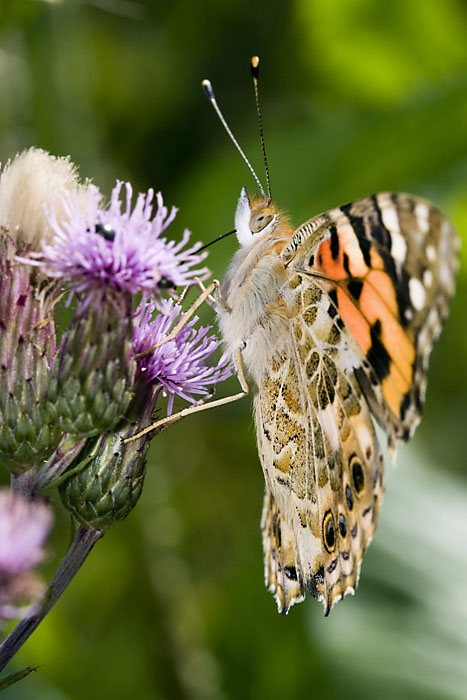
(254, 63)
(207, 87)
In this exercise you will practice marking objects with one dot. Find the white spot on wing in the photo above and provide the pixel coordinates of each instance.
(427, 278)
(431, 253)
(417, 293)
(398, 247)
(391, 221)
(422, 214)
(328, 422)
(364, 437)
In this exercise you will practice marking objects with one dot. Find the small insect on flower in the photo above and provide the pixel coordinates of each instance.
(118, 248)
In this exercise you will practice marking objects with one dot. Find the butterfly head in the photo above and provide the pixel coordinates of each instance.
(255, 217)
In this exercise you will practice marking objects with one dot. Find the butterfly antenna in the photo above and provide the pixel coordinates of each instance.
(255, 74)
(219, 238)
(207, 87)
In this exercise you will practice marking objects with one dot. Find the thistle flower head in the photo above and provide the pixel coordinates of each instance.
(24, 526)
(183, 366)
(118, 247)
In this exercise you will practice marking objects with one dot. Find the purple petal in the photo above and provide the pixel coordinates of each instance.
(24, 526)
(184, 366)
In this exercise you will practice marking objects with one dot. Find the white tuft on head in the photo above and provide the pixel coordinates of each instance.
(33, 178)
(242, 219)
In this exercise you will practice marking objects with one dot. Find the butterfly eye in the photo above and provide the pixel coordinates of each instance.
(329, 532)
(260, 220)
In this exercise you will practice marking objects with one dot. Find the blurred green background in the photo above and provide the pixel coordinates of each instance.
(358, 96)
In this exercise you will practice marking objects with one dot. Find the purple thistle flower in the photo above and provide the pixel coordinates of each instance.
(117, 247)
(24, 526)
(183, 366)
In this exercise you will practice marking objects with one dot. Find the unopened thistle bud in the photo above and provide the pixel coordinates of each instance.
(105, 482)
(92, 382)
(29, 433)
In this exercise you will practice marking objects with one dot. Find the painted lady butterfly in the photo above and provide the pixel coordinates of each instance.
(334, 322)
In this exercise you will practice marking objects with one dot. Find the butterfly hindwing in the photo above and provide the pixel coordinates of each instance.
(321, 461)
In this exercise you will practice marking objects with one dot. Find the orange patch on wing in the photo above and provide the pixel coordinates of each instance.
(382, 283)
(375, 307)
(377, 302)
(354, 320)
(394, 389)
(348, 245)
(333, 269)
(377, 262)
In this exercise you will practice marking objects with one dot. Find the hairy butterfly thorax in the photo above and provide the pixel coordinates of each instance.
(257, 316)
(334, 322)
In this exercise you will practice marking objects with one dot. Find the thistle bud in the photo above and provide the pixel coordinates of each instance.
(105, 482)
(91, 385)
(28, 431)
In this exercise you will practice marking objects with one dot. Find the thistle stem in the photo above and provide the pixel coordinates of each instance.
(75, 557)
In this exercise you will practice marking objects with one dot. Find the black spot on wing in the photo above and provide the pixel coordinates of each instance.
(291, 573)
(349, 497)
(334, 243)
(405, 403)
(377, 355)
(342, 525)
(358, 226)
(400, 278)
(315, 581)
(365, 247)
(346, 265)
(355, 288)
(332, 310)
(379, 231)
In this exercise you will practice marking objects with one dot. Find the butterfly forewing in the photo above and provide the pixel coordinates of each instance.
(387, 263)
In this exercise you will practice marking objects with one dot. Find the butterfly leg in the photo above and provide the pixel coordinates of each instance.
(215, 299)
(206, 294)
(200, 406)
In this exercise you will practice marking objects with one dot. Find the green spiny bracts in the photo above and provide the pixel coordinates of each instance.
(92, 381)
(105, 482)
(28, 430)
